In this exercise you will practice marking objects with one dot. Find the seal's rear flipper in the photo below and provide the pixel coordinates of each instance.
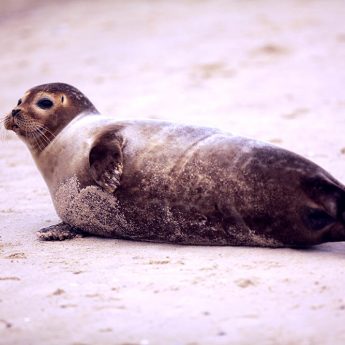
(325, 219)
(328, 193)
(59, 232)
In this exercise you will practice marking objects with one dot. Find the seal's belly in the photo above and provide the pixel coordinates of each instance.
(100, 213)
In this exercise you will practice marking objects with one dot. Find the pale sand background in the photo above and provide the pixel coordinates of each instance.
(273, 70)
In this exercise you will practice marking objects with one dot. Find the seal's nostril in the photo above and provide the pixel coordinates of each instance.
(15, 112)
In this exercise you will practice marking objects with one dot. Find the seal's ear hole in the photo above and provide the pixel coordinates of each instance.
(62, 99)
(317, 219)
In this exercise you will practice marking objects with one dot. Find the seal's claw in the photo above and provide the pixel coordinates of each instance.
(58, 232)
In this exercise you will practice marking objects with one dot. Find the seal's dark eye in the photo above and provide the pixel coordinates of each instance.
(19, 102)
(45, 103)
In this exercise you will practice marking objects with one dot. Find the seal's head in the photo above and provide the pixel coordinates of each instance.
(44, 111)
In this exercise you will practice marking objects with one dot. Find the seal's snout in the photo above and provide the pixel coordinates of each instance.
(9, 122)
(15, 112)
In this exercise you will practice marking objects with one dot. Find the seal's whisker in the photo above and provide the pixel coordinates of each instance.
(38, 130)
(35, 126)
(38, 141)
(3, 118)
(44, 128)
(44, 138)
(39, 134)
(4, 134)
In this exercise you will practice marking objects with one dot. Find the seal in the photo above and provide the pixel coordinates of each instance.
(165, 182)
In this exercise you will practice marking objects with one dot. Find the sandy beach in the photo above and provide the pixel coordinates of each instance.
(273, 71)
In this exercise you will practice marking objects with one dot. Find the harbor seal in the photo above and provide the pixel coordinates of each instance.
(165, 182)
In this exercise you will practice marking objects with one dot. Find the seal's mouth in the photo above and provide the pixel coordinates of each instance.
(10, 124)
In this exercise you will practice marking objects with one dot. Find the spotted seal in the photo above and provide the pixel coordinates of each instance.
(166, 182)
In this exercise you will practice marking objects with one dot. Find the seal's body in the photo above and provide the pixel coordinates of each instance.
(163, 182)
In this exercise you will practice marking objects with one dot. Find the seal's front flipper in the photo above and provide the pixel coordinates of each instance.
(59, 232)
(106, 162)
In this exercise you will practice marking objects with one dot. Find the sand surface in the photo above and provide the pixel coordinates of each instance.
(272, 70)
